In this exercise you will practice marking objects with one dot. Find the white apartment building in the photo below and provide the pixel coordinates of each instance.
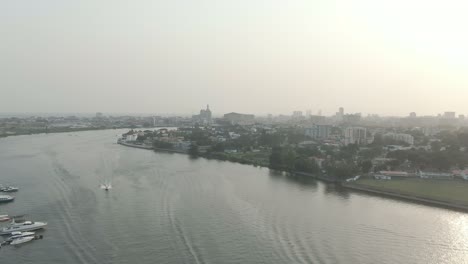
(355, 135)
(400, 137)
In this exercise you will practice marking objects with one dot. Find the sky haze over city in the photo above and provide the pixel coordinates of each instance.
(249, 56)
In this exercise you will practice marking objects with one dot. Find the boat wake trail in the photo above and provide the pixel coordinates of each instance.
(67, 217)
(177, 228)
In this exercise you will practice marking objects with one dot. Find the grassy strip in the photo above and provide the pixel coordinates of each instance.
(253, 158)
(450, 191)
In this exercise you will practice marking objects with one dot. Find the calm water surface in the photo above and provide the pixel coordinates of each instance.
(167, 208)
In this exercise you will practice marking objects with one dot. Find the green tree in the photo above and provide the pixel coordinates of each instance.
(372, 152)
(436, 145)
(463, 138)
(219, 147)
(305, 165)
(271, 140)
(290, 159)
(200, 137)
(309, 151)
(162, 144)
(366, 166)
(193, 150)
(295, 137)
(344, 170)
(276, 158)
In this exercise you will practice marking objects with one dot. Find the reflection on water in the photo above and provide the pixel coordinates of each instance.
(301, 181)
(168, 208)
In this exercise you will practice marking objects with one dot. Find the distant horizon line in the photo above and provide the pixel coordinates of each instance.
(63, 114)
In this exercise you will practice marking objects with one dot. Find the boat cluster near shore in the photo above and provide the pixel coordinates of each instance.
(7, 189)
(18, 231)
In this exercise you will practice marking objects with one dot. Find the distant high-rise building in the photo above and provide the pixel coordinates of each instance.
(308, 112)
(317, 131)
(241, 119)
(297, 114)
(400, 137)
(316, 119)
(355, 135)
(449, 115)
(340, 114)
(351, 119)
(412, 115)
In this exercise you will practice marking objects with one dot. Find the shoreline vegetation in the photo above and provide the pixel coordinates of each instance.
(426, 192)
(411, 190)
(52, 131)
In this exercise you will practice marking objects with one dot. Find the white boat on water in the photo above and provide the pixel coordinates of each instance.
(22, 227)
(9, 189)
(21, 240)
(106, 186)
(16, 235)
(6, 198)
(4, 218)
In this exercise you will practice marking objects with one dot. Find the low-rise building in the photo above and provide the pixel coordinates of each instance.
(407, 138)
(382, 177)
(317, 131)
(355, 135)
(240, 119)
(393, 174)
(435, 175)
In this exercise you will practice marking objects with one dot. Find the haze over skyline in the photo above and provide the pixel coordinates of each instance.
(388, 58)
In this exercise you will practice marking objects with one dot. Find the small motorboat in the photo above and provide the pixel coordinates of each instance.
(22, 240)
(9, 189)
(21, 227)
(6, 198)
(16, 235)
(106, 186)
(4, 218)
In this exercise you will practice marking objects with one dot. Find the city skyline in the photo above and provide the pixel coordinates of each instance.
(216, 114)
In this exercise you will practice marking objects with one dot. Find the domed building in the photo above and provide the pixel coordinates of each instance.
(204, 117)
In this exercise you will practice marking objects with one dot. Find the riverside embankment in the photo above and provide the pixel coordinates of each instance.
(445, 202)
(351, 186)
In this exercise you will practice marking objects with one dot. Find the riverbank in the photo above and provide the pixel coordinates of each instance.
(447, 194)
(235, 159)
(319, 177)
(150, 148)
(135, 145)
(366, 185)
(24, 132)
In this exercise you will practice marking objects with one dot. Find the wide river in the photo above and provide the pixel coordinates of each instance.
(168, 208)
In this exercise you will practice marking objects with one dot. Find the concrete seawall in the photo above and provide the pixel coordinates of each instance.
(428, 201)
(316, 176)
(134, 145)
(170, 150)
(151, 148)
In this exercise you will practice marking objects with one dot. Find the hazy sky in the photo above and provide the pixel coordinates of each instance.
(270, 56)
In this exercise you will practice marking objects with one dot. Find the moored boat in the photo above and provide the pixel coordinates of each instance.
(6, 198)
(4, 218)
(9, 189)
(22, 227)
(16, 235)
(21, 240)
